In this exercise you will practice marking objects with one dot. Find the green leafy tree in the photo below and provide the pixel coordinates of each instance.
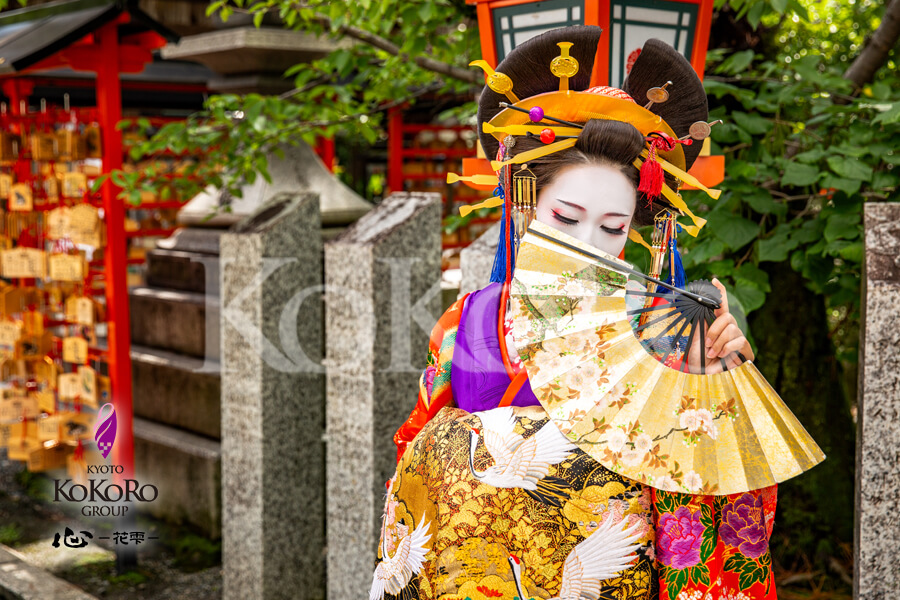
(388, 54)
(812, 124)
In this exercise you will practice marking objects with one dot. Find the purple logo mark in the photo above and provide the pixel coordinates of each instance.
(105, 430)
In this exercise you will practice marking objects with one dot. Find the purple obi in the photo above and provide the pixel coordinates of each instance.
(478, 377)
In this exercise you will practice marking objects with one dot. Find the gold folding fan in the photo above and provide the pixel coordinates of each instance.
(705, 433)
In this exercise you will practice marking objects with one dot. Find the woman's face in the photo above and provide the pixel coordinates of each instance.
(593, 203)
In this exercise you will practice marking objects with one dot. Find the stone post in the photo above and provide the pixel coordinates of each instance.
(877, 532)
(273, 479)
(382, 278)
(477, 259)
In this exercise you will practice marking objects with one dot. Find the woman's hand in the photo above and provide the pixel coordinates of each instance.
(723, 339)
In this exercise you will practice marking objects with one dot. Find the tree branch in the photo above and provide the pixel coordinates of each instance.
(376, 41)
(875, 53)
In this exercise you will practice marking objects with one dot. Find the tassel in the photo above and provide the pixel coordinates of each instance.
(676, 268)
(506, 251)
(652, 177)
(506, 247)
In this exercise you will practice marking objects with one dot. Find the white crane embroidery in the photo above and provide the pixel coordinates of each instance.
(603, 555)
(393, 573)
(518, 462)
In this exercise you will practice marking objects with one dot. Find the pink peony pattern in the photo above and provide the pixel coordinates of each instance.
(679, 536)
(429, 379)
(744, 526)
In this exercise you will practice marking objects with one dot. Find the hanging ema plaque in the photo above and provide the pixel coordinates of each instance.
(20, 199)
(23, 263)
(66, 267)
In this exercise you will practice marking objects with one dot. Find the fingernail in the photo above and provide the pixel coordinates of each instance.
(708, 342)
(710, 354)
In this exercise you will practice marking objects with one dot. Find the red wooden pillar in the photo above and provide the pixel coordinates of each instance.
(325, 150)
(109, 107)
(395, 150)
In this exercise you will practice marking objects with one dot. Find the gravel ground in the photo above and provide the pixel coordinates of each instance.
(179, 565)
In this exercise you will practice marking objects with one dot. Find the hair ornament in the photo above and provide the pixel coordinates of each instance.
(529, 155)
(700, 130)
(511, 130)
(557, 116)
(564, 66)
(538, 111)
(498, 82)
(652, 177)
(657, 95)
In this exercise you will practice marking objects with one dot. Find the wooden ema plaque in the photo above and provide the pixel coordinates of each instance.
(46, 458)
(70, 145)
(80, 309)
(66, 267)
(9, 145)
(88, 386)
(23, 263)
(75, 350)
(43, 146)
(65, 426)
(74, 185)
(10, 334)
(6, 182)
(81, 224)
(19, 448)
(21, 198)
(69, 386)
(17, 405)
(46, 401)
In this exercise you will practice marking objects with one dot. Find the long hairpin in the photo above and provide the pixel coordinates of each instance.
(538, 112)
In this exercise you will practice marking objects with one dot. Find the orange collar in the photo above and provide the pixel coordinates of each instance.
(501, 334)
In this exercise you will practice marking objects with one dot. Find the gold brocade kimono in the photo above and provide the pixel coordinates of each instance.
(481, 507)
(459, 524)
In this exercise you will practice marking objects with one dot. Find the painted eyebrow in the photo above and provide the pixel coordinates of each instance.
(569, 204)
(581, 208)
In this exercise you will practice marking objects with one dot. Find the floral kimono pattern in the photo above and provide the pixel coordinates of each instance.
(714, 547)
(703, 547)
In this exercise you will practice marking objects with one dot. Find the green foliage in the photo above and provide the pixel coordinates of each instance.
(344, 93)
(34, 485)
(196, 552)
(802, 156)
(10, 534)
(129, 578)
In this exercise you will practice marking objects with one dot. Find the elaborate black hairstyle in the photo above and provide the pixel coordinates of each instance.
(528, 65)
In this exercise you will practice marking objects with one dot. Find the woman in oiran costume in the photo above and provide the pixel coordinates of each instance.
(490, 500)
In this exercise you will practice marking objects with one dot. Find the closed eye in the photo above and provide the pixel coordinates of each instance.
(564, 220)
(620, 231)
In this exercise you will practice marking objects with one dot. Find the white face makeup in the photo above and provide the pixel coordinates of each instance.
(593, 203)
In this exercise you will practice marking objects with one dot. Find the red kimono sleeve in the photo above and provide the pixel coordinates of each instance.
(434, 383)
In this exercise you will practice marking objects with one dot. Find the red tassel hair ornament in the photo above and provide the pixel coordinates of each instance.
(652, 175)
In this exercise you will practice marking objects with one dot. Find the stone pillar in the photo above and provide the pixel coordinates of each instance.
(273, 480)
(477, 260)
(877, 533)
(382, 278)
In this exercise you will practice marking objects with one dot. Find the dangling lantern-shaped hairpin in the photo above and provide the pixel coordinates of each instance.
(524, 200)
